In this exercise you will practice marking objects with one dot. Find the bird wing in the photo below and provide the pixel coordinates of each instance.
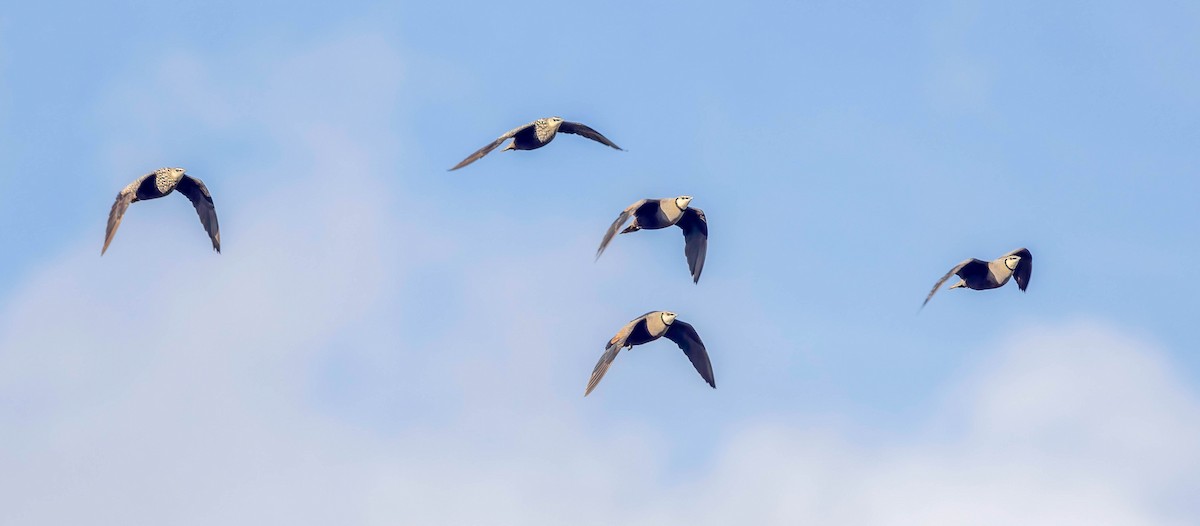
(126, 197)
(583, 130)
(610, 353)
(685, 336)
(491, 146)
(695, 240)
(198, 194)
(1024, 268)
(616, 226)
(970, 265)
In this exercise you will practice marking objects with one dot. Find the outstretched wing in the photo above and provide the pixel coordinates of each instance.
(198, 194)
(685, 336)
(491, 146)
(1024, 267)
(124, 199)
(970, 266)
(621, 219)
(695, 240)
(610, 353)
(584, 131)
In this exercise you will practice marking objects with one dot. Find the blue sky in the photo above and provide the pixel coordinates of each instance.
(384, 341)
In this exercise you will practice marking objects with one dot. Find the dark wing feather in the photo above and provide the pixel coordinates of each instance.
(582, 130)
(695, 240)
(491, 146)
(124, 199)
(621, 219)
(969, 266)
(1024, 267)
(198, 194)
(685, 336)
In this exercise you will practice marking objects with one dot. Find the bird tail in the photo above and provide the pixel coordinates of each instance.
(961, 283)
(631, 228)
(511, 146)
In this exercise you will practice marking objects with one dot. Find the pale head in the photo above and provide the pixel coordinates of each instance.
(1010, 262)
(668, 317)
(682, 201)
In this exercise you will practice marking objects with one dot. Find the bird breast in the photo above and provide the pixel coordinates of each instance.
(544, 131)
(164, 183)
(1000, 273)
(655, 325)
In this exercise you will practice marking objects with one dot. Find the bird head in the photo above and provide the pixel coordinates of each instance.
(682, 201)
(1010, 262)
(668, 317)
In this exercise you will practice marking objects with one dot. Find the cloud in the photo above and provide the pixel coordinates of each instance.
(355, 358)
(1077, 424)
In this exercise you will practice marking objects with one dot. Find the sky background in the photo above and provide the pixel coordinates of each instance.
(383, 342)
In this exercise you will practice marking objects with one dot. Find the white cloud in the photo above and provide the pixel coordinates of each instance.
(166, 385)
(1068, 425)
(1071, 425)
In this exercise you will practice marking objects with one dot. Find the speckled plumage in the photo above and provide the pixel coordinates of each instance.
(536, 135)
(160, 183)
(647, 328)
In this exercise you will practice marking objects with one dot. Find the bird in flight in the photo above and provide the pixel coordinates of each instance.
(536, 135)
(647, 328)
(983, 275)
(159, 183)
(653, 214)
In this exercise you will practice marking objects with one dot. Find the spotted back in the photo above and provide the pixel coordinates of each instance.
(166, 179)
(545, 129)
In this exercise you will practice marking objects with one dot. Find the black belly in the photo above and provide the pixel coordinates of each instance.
(639, 335)
(653, 220)
(148, 190)
(527, 140)
(982, 283)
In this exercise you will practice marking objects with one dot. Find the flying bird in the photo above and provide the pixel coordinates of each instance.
(653, 214)
(647, 328)
(157, 184)
(536, 135)
(983, 275)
